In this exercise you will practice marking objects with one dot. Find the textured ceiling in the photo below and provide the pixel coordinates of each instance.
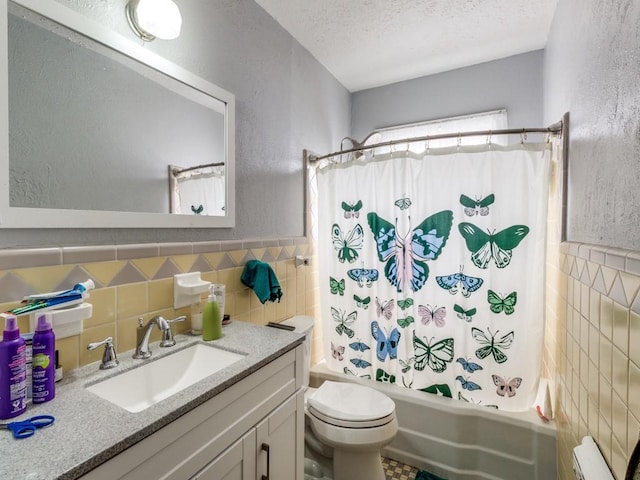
(369, 43)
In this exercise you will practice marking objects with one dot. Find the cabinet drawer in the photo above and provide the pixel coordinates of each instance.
(185, 446)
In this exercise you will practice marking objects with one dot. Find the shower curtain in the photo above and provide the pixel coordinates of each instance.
(201, 192)
(432, 268)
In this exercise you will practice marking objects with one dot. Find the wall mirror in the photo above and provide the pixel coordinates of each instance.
(91, 122)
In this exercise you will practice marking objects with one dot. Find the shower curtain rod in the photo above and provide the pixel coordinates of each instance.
(556, 129)
(178, 171)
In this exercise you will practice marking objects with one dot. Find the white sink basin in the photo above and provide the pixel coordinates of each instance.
(146, 385)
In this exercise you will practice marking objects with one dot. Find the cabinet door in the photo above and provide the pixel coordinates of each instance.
(280, 441)
(238, 462)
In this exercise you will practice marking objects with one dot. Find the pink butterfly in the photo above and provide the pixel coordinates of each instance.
(385, 309)
(505, 387)
(435, 315)
(405, 255)
(337, 352)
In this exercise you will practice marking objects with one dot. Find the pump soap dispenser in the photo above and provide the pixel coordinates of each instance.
(211, 320)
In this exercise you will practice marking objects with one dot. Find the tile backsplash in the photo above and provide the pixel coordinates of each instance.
(597, 355)
(135, 281)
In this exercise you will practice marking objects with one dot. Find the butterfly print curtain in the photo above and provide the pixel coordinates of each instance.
(432, 268)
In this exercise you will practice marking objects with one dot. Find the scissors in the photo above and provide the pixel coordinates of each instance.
(26, 428)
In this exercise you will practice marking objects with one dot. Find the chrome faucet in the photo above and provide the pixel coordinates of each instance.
(167, 335)
(142, 349)
(109, 358)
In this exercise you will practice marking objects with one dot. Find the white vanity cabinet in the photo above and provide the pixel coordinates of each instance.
(265, 452)
(254, 429)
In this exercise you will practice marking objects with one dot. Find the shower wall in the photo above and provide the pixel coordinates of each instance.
(591, 70)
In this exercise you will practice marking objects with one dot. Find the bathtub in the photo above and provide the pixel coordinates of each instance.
(461, 441)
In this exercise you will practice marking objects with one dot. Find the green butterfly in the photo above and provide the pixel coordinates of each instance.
(362, 302)
(477, 207)
(403, 203)
(405, 322)
(499, 305)
(436, 356)
(337, 287)
(347, 247)
(384, 377)
(406, 366)
(491, 346)
(440, 389)
(404, 304)
(465, 315)
(349, 372)
(352, 210)
(343, 323)
(485, 246)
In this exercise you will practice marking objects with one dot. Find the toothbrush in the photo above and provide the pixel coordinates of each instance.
(77, 288)
(48, 303)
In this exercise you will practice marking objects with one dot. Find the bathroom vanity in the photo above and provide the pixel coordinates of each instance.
(245, 421)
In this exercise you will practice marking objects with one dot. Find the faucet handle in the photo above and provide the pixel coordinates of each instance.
(109, 358)
(167, 335)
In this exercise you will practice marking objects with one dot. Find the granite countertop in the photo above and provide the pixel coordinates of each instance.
(89, 430)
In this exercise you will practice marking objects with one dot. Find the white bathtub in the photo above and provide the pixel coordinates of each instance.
(461, 441)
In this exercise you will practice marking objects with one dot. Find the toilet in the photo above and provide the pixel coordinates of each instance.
(345, 421)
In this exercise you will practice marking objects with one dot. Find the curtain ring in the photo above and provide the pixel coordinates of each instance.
(523, 137)
(459, 141)
(489, 138)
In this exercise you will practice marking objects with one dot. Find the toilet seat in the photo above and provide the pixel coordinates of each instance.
(351, 406)
(350, 424)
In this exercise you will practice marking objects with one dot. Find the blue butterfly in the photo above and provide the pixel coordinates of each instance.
(364, 276)
(467, 384)
(404, 256)
(359, 346)
(467, 365)
(358, 362)
(459, 282)
(386, 345)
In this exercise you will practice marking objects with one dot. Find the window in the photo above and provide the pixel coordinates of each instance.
(494, 120)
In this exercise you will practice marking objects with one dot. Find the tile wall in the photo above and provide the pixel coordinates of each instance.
(135, 281)
(597, 357)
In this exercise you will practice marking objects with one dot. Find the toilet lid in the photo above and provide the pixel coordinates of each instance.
(350, 402)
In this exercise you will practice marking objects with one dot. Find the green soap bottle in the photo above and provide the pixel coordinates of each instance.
(211, 320)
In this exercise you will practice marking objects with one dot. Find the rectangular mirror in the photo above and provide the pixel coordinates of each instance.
(94, 122)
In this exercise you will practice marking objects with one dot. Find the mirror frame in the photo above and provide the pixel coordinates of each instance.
(23, 217)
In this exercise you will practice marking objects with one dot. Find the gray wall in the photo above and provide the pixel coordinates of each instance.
(285, 101)
(514, 83)
(592, 71)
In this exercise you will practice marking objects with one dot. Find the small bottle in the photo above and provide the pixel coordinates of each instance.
(43, 370)
(211, 319)
(13, 371)
(196, 319)
(219, 290)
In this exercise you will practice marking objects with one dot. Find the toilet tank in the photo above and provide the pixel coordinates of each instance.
(303, 324)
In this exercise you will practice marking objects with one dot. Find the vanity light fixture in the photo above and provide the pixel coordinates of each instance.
(151, 19)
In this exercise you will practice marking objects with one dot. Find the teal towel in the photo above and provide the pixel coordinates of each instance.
(424, 475)
(260, 277)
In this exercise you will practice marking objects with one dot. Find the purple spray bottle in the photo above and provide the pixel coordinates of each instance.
(43, 371)
(13, 371)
